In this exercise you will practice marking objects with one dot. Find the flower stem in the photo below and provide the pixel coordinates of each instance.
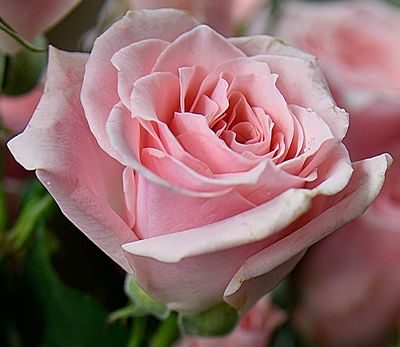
(4, 26)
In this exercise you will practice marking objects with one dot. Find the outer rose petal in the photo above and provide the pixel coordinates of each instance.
(87, 184)
(238, 238)
(166, 24)
(30, 18)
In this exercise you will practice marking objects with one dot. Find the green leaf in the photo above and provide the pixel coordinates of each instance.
(217, 321)
(143, 303)
(23, 70)
(70, 318)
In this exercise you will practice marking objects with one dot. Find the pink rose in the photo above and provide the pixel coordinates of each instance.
(29, 18)
(204, 165)
(225, 16)
(254, 329)
(16, 111)
(350, 282)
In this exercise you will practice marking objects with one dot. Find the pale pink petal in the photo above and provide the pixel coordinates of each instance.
(192, 212)
(30, 18)
(198, 139)
(131, 66)
(261, 91)
(211, 244)
(244, 289)
(311, 91)
(274, 181)
(125, 135)
(190, 79)
(200, 46)
(156, 97)
(227, 70)
(188, 181)
(130, 192)
(99, 90)
(292, 64)
(316, 134)
(220, 248)
(87, 184)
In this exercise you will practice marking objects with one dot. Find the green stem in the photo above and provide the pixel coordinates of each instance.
(138, 332)
(11, 32)
(167, 332)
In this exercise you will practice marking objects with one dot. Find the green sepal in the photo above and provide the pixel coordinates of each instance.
(217, 321)
(142, 302)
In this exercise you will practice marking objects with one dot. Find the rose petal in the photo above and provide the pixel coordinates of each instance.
(215, 246)
(156, 97)
(245, 288)
(191, 48)
(131, 66)
(87, 184)
(99, 90)
(193, 212)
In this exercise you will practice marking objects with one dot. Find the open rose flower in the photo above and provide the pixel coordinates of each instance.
(204, 165)
(29, 18)
(254, 329)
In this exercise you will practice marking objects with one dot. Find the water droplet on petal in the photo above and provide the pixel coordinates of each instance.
(309, 109)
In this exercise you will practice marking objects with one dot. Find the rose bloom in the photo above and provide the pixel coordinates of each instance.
(356, 44)
(254, 329)
(203, 165)
(29, 18)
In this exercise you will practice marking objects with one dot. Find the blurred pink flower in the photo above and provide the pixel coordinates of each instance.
(30, 18)
(16, 111)
(225, 16)
(350, 282)
(357, 45)
(254, 329)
